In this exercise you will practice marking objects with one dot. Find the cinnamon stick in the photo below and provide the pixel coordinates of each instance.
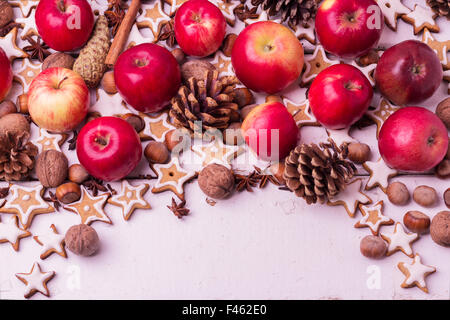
(122, 34)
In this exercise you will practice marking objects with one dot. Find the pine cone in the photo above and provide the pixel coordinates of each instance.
(318, 173)
(17, 156)
(441, 7)
(293, 11)
(213, 101)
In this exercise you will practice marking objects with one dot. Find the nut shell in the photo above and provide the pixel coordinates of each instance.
(417, 221)
(22, 103)
(228, 43)
(440, 228)
(77, 173)
(443, 169)
(51, 168)
(373, 247)
(108, 83)
(136, 121)
(176, 140)
(398, 193)
(443, 112)
(68, 192)
(216, 181)
(156, 152)
(58, 60)
(425, 196)
(277, 170)
(358, 152)
(179, 55)
(82, 240)
(7, 107)
(196, 69)
(15, 123)
(6, 13)
(447, 198)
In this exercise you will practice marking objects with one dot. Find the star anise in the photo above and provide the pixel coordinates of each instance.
(243, 12)
(95, 185)
(117, 5)
(178, 209)
(115, 18)
(4, 192)
(7, 28)
(167, 33)
(52, 198)
(246, 182)
(36, 49)
(73, 141)
(264, 178)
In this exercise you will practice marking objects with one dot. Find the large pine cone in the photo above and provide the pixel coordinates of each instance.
(211, 101)
(318, 173)
(441, 7)
(17, 156)
(293, 11)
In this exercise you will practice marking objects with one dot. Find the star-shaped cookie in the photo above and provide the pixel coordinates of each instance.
(90, 208)
(350, 197)
(156, 126)
(51, 242)
(216, 152)
(9, 45)
(26, 72)
(440, 47)
(315, 64)
(28, 25)
(400, 240)
(130, 198)
(415, 273)
(373, 217)
(340, 136)
(380, 174)
(381, 113)
(25, 5)
(49, 141)
(301, 112)
(136, 38)
(421, 18)
(222, 64)
(36, 281)
(11, 232)
(392, 10)
(152, 16)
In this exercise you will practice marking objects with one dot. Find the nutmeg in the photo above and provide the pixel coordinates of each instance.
(373, 247)
(77, 173)
(179, 55)
(156, 152)
(228, 43)
(416, 221)
(15, 123)
(443, 112)
(440, 228)
(196, 69)
(233, 135)
(7, 107)
(82, 240)
(108, 83)
(68, 192)
(398, 193)
(6, 13)
(136, 121)
(58, 60)
(443, 169)
(216, 181)
(51, 168)
(425, 196)
(447, 198)
(22, 103)
(277, 170)
(358, 152)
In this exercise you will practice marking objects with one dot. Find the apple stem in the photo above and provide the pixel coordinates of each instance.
(62, 5)
(101, 141)
(60, 83)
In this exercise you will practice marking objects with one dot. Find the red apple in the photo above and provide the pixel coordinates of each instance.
(349, 28)
(109, 148)
(413, 139)
(64, 25)
(270, 130)
(199, 27)
(408, 73)
(147, 76)
(6, 75)
(339, 96)
(267, 57)
(58, 99)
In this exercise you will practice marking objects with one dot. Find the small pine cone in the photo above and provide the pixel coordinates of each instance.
(90, 64)
(317, 172)
(213, 101)
(292, 11)
(440, 7)
(17, 156)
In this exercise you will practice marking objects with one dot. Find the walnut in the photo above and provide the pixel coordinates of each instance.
(51, 168)
(15, 123)
(6, 13)
(443, 112)
(216, 181)
(58, 59)
(196, 69)
(440, 228)
(82, 240)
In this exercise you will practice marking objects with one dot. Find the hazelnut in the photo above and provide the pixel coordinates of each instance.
(136, 121)
(373, 247)
(176, 140)
(442, 170)
(233, 135)
(7, 107)
(156, 152)
(228, 43)
(369, 58)
(246, 110)
(358, 152)
(277, 170)
(22, 103)
(77, 173)
(196, 69)
(82, 240)
(68, 192)
(440, 228)
(15, 123)
(216, 181)
(398, 193)
(443, 112)
(416, 221)
(51, 168)
(179, 55)
(58, 60)
(108, 83)
(274, 98)
(447, 197)
(243, 97)
(425, 196)
(6, 13)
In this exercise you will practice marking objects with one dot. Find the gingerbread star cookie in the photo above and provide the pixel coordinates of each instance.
(392, 10)
(26, 203)
(222, 64)
(380, 174)
(315, 64)
(136, 37)
(156, 126)
(227, 7)
(90, 208)
(422, 18)
(305, 32)
(350, 197)
(263, 16)
(400, 240)
(26, 72)
(301, 112)
(98, 6)
(171, 177)
(174, 5)
(36, 281)
(113, 101)
(415, 273)
(51, 242)
(25, 5)
(152, 16)
(11, 232)
(340, 136)
(440, 47)
(216, 152)
(373, 217)
(130, 198)
(28, 25)
(9, 45)
(381, 113)
(368, 71)
(49, 141)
